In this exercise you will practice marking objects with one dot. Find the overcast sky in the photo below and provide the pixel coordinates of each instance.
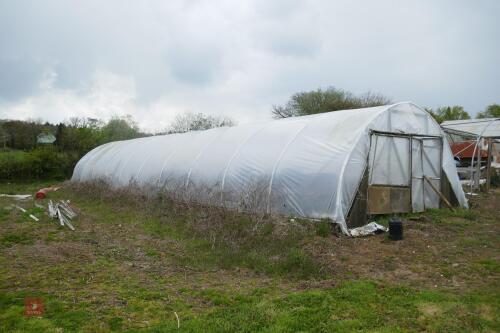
(154, 59)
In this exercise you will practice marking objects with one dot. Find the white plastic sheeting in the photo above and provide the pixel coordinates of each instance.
(367, 230)
(307, 166)
(486, 127)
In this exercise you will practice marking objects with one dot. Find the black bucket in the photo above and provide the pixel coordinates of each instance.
(395, 229)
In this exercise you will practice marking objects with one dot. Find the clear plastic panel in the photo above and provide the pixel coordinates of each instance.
(390, 160)
(417, 189)
(431, 161)
(432, 157)
(431, 198)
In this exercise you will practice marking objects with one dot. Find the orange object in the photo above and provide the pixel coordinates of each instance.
(42, 193)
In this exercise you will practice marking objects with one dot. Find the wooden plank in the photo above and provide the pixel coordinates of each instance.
(389, 199)
(439, 193)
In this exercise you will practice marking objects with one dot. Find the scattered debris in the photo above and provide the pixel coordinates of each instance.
(17, 196)
(42, 193)
(369, 229)
(52, 210)
(62, 212)
(25, 211)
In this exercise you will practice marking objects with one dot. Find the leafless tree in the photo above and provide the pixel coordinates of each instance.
(198, 121)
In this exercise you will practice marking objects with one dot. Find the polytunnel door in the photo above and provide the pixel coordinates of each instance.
(404, 172)
(389, 176)
(426, 172)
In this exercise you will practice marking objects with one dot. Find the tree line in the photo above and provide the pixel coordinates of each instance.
(82, 134)
(76, 135)
(23, 157)
(79, 135)
(333, 99)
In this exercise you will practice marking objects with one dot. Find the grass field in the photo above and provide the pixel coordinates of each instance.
(135, 264)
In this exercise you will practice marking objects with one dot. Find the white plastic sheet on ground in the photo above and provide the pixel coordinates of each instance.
(368, 229)
(306, 166)
(17, 196)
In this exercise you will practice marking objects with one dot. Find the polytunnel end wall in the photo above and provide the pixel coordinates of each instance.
(356, 162)
(448, 166)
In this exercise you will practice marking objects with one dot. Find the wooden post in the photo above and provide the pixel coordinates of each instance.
(488, 165)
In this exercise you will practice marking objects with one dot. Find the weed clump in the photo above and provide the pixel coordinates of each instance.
(218, 237)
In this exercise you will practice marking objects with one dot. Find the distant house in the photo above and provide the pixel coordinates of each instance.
(45, 138)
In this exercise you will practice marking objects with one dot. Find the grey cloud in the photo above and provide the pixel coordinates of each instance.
(196, 64)
(238, 56)
(279, 8)
(19, 77)
(288, 45)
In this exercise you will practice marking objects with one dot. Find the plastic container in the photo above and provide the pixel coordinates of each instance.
(395, 229)
(41, 194)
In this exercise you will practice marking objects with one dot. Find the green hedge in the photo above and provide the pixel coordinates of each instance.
(42, 162)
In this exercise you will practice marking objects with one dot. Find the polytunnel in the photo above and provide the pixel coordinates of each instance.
(342, 165)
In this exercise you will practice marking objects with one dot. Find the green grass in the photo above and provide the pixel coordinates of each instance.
(444, 215)
(457, 217)
(489, 266)
(131, 265)
(349, 307)
(25, 187)
(324, 228)
(10, 239)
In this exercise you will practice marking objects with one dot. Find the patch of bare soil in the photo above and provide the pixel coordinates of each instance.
(53, 253)
(451, 252)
